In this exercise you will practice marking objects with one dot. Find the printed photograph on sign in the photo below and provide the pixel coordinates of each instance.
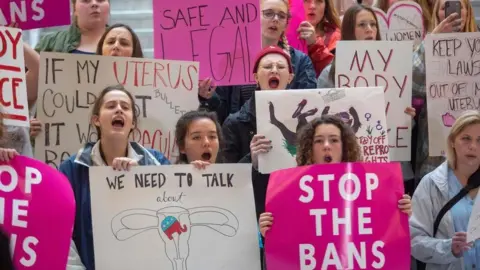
(34, 14)
(172, 214)
(281, 114)
(69, 85)
(349, 214)
(388, 65)
(224, 36)
(452, 83)
(13, 85)
(402, 22)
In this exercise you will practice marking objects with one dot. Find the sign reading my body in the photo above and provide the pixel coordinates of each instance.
(204, 29)
(18, 216)
(379, 80)
(349, 188)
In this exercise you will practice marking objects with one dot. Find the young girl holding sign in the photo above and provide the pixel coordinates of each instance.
(326, 140)
(114, 118)
(198, 136)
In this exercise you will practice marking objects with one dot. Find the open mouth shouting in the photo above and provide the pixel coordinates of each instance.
(206, 156)
(274, 82)
(327, 159)
(118, 123)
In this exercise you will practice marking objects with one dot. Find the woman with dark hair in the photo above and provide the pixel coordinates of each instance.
(120, 40)
(114, 118)
(199, 137)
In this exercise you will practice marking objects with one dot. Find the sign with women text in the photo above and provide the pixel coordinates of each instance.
(37, 210)
(281, 114)
(389, 65)
(403, 21)
(224, 36)
(347, 216)
(69, 84)
(33, 14)
(13, 86)
(452, 84)
(172, 215)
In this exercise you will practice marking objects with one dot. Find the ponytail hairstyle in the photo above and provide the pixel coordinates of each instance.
(284, 43)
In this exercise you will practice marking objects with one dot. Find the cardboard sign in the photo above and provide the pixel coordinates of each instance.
(343, 216)
(224, 36)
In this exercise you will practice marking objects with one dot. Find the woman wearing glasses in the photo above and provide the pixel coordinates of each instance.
(228, 100)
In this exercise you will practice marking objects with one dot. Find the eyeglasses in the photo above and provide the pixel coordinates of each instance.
(270, 15)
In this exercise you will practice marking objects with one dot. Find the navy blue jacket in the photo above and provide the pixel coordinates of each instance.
(76, 169)
(227, 99)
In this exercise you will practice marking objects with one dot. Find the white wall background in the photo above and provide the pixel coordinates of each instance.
(138, 14)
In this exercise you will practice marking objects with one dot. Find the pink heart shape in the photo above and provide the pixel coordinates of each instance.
(387, 18)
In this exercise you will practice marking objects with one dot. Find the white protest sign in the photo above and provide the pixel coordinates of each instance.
(13, 86)
(403, 21)
(281, 114)
(452, 83)
(473, 231)
(174, 217)
(70, 83)
(387, 64)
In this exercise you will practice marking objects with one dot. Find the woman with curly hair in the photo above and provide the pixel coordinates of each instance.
(327, 139)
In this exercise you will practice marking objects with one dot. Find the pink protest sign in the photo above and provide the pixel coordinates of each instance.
(338, 216)
(297, 12)
(39, 210)
(35, 14)
(224, 36)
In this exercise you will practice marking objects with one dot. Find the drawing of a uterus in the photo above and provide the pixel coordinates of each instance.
(174, 226)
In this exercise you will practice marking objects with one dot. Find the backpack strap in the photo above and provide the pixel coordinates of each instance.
(473, 183)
